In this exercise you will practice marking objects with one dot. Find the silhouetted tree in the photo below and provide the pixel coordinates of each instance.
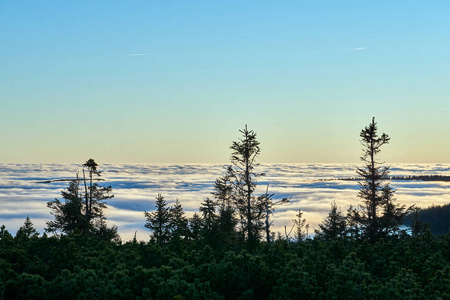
(269, 207)
(178, 222)
(334, 225)
(76, 215)
(223, 190)
(159, 221)
(27, 229)
(103, 232)
(68, 215)
(226, 219)
(244, 177)
(208, 210)
(301, 227)
(95, 194)
(378, 217)
(195, 226)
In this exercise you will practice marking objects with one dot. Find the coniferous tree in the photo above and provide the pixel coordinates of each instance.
(378, 217)
(244, 178)
(103, 232)
(195, 227)
(334, 225)
(208, 210)
(68, 215)
(95, 194)
(269, 207)
(159, 221)
(226, 220)
(223, 190)
(301, 227)
(178, 222)
(82, 213)
(27, 229)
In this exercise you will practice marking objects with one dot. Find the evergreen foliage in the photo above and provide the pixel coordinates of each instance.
(300, 226)
(27, 230)
(84, 267)
(159, 221)
(82, 213)
(379, 217)
(243, 176)
(435, 218)
(334, 226)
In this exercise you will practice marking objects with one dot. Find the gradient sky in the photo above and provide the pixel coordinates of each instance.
(174, 81)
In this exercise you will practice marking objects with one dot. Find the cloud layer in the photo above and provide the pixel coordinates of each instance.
(135, 186)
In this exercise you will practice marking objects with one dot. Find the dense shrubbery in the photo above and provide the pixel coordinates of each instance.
(84, 267)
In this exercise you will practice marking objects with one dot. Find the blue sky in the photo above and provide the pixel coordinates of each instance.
(174, 81)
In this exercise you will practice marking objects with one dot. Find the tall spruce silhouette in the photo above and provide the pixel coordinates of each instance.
(378, 216)
(244, 177)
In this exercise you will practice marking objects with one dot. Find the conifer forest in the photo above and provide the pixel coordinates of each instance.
(377, 249)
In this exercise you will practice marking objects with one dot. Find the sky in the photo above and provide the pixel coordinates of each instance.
(175, 81)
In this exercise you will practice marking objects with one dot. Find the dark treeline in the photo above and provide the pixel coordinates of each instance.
(227, 249)
(409, 177)
(436, 218)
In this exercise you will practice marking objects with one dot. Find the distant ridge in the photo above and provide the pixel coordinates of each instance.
(411, 177)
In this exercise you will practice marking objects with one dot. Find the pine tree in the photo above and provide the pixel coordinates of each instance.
(82, 213)
(223, 190)
(378, 217)
(68, 215)
(159, 221)
(178, 222)
(417, 226)
(208, 210)
(27, 229)
(301, 227)
(226, 219)
(334, 225)
(269, 207)
(195, 227)
(95, 194)
(244, 178)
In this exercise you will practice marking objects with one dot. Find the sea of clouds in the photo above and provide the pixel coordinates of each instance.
(23, 190)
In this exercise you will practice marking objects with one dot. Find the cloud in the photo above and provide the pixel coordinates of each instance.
(135, 187)
(139, 54)
(358, 49)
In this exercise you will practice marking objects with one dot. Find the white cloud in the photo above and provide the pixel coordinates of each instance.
(358, 49)
(139, 54)
(135, 187)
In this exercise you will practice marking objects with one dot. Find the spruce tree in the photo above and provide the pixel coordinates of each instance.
(82, 213)
(269, 205)
(378, 216)
(95, 195)
(27, 229)
(178, 222)
(68, 215)
(301, 227)
(244, 178)
(226, 219)
(208, 210)
(195, 227)
(159, 221)
(334, 225)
